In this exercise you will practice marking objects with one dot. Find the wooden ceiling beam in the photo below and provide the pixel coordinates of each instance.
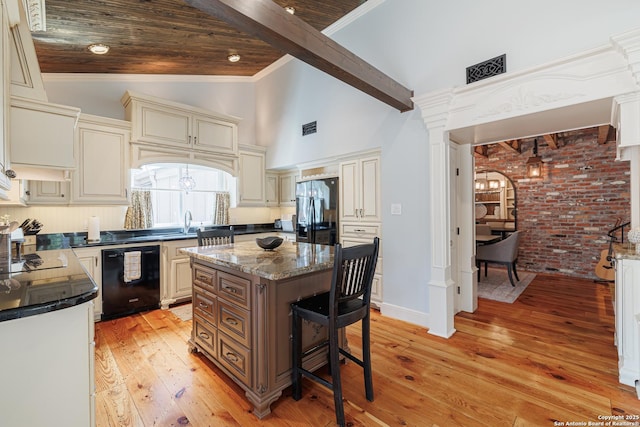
(270, 23)
(551, 140)
(606, 133)
(481, 150)
(513, 145)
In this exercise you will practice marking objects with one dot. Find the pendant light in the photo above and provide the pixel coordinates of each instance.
(186, 182)
(534, 164)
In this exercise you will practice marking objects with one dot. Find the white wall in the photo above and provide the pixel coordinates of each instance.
(100, 95)
(425, 45)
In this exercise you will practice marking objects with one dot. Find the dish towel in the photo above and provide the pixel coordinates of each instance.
(132, 270)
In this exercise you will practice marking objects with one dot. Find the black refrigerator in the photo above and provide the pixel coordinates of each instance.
(317, 211)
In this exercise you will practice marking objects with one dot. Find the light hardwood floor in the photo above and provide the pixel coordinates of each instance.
(547, 359)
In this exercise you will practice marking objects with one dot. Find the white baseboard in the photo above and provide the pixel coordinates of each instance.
(402, 313)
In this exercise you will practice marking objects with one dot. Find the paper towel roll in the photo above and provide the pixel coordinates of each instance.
(93, 234)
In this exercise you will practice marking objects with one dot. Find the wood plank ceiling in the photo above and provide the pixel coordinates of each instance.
(606, 133)
(161, 37)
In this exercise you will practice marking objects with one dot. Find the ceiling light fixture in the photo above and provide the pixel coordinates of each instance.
(233, 57)
(290, 9)
(186, 182)
(534, 164)
(98, 49)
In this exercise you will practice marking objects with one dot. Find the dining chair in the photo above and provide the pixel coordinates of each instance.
(503, 252)
(215, 236)
(347, 302)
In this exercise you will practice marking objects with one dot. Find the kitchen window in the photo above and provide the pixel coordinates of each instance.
(170, 201)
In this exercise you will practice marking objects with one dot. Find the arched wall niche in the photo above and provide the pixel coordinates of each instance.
(501, 203)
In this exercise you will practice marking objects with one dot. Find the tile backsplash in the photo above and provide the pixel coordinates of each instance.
(68, 219)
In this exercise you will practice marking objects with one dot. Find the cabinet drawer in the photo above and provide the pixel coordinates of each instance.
(204, 277)
(234, 288)
(204, 304)
(205, 335)
(235, 357)
(361, 230)
(235, 322)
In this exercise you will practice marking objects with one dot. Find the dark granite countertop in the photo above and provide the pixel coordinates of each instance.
(125, 237)
(28, 293)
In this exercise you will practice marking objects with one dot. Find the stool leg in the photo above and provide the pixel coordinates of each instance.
(334, 355)
(366, 357)
(296, 356)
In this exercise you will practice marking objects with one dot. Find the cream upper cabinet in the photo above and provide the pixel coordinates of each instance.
(102, 170)
(360, 189)
(48, 193)
(50, 143)
(288, 189)
(271, 189)
(162, 122)
(251, 178)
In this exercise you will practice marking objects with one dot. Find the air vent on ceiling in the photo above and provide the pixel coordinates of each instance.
(489, 68)
(309, 128)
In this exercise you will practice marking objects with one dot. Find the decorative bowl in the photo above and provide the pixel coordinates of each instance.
(269, 243)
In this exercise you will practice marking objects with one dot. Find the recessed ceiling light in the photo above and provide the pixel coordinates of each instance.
(98, 49)
(290, 9)
(233, 57)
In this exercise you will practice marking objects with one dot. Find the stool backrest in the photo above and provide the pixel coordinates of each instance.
(216, 236)
(353, 271)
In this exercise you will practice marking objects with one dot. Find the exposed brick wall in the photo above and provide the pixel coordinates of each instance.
(565, 215)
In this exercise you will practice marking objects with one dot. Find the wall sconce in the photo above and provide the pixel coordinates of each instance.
(534, 164)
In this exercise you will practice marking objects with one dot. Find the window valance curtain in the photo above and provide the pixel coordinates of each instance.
(221, 213)
(140, 213)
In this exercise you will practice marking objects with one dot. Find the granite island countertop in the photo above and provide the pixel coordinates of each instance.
(288, 260)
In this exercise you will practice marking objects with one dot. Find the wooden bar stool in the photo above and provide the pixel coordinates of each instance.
(346, 303)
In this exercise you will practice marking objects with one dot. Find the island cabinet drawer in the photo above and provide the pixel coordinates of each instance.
(204, 304)
(205, 335)
(235, 322)
(234, 288)
(204, 277)
(235, 358)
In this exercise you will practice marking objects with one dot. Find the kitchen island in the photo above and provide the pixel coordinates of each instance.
(242, 315)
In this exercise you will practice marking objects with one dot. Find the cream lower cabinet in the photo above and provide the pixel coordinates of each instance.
(102, 168)
(176, 283)
(627, 310)
(353, 234)
(360, 190)
(47, 369)
(91, 260)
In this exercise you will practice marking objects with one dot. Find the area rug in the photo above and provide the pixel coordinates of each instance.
(184, 312)
(496, 285)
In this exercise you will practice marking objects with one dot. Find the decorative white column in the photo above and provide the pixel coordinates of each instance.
(435, 111)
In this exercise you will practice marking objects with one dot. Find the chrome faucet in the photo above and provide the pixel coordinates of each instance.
(187, 221)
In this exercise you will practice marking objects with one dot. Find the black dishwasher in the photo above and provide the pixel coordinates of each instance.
(130, 280)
